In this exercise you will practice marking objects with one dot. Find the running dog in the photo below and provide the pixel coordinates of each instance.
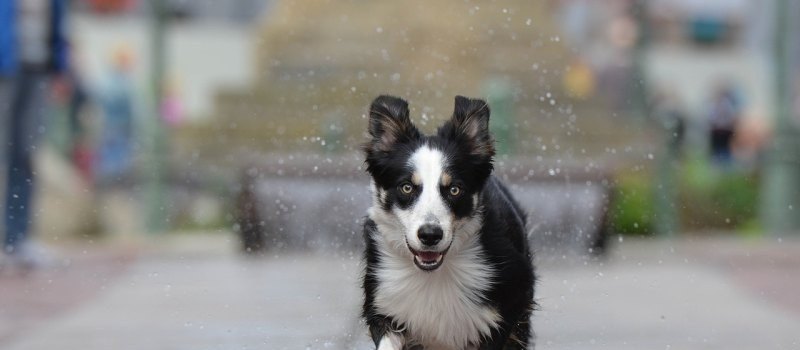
(447, 261)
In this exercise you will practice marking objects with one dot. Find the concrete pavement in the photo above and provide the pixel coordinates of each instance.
(659, 296)
(193, 292)
(28, 300)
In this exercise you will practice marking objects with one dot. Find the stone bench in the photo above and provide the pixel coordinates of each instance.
(318, 203)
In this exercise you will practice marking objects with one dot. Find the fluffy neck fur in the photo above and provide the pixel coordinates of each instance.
(442, 308)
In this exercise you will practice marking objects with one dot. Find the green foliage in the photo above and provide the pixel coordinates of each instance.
(709, 198)
(632, 210)
(715, 198)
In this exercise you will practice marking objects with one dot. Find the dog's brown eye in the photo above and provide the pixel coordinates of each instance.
(407, 188)
(455, 190)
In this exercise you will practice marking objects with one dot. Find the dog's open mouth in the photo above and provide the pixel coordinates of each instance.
(428, 261)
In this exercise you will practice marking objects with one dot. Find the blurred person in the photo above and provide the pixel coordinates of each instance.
(32, 52)
(579, 79)
(723, 117)
(78, 100)
(751, 137)
(116, 135)
(171, 105)
(70, 100)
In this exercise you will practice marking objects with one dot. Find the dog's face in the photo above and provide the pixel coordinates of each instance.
(427, 187)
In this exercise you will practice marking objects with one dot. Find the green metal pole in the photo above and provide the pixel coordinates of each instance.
(779, 207)
(639, 91)
(664, 196)
(500, 100)
(666, 223)
(156, 210)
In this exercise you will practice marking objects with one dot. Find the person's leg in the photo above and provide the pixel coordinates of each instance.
(6, 94)
(25, 126)
(6, 91)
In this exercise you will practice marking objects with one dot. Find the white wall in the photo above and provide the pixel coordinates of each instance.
(693, 75)
(202, 56)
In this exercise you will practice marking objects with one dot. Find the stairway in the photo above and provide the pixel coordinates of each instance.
(321, 62)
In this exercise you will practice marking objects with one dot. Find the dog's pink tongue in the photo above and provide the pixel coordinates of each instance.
(428, 256)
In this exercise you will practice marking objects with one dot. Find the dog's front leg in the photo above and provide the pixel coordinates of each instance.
(384, 334)
(391, 341)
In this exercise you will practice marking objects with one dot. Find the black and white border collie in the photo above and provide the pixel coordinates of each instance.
(447, 263)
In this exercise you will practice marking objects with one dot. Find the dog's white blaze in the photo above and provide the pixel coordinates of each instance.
(428, 165)
(442, 308)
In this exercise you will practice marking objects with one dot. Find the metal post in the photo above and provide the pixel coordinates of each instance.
(667, 223)
(500, 100)
(638, 86)
(155, 173)
(780, 190)
(666, 214)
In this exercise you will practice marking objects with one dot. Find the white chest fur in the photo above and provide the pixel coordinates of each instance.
(441, 308)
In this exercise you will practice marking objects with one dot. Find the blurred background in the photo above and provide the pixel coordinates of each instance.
(194, 178)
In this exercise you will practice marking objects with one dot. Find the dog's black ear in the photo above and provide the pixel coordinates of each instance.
(471, 125)
(389, 123)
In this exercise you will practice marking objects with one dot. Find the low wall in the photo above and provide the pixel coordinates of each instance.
(319, 202)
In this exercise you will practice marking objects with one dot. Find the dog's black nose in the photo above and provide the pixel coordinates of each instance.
(430, 234)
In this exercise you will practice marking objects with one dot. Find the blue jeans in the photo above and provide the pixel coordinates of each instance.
(24, 111)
